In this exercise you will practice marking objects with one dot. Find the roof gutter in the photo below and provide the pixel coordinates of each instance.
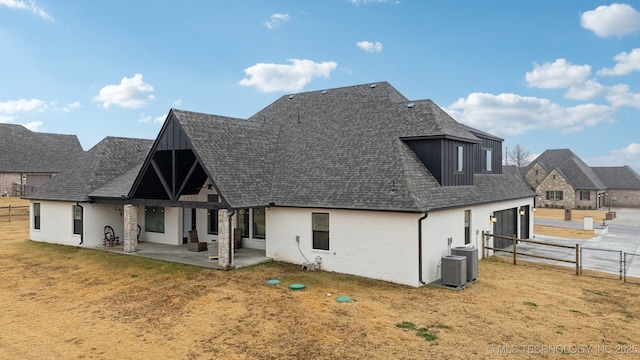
(420, 247)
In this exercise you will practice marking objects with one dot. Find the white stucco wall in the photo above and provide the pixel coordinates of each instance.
(56, 223)
(377, 244)
(172, 227)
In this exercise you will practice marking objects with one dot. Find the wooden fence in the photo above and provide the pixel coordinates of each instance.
(514, 250)
(13, 211)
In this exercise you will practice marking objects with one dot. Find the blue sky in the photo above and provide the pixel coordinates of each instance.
(542, 74)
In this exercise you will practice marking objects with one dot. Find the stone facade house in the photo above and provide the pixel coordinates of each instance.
(28, 159)
(561, 179)
(358, 180)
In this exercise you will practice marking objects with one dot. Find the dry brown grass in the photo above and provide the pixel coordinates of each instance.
(558, 214)
(69, 303)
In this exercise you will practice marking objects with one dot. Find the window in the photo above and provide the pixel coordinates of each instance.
(212, 215)
(77, 220)
(320, 225)
(36, 216)
(585, 195)
(554, 195)
(487, 159)
(154, 219)
(459, 158)
(259, 230)
(243, 222)
(467, 227)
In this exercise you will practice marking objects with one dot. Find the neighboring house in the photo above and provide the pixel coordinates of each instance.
(561, 179)
(359, 178)
(28, 159)
(623, 186)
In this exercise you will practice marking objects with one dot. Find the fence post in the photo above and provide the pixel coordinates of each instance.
(577, 260)
(9, 213)
(483, 251)
(621, 263)
(513, 239)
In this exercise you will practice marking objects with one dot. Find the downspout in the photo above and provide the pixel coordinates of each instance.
(82, 232)
(231, 239)
(420, 247)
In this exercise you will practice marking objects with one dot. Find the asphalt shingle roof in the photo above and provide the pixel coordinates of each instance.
(338, 148)
(576, 171)
(25, 151)
(619, 178)
(109, 159)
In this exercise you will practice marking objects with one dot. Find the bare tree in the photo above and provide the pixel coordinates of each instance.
(518, 156)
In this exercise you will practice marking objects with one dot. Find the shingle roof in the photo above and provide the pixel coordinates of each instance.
(25, 151)
(619, 178)
(106, 161)
(576, 171)
(339, 148)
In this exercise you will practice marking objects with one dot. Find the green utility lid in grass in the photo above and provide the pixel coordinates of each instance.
(296, 286)
(273, 282)
(343, 299)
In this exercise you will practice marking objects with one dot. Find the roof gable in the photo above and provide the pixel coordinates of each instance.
(106, 161)
(575, 171)
(619, 178)
(25, 151)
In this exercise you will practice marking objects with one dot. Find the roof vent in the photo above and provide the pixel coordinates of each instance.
(324, 92)
(373, 85)
(410, 105)
(291, 96)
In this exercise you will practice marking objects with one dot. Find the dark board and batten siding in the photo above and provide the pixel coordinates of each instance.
(173, 138)
(439, 156)
(496, 156)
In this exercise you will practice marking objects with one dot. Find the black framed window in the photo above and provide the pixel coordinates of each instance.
(585, 195)
(467, 226)
(459, 158)
(212, 215)
(154, 219)
(554, 195)
(36, 216)
(77, 220)
(320, 226)
(243, 222)
(487, 159)
(259, 223)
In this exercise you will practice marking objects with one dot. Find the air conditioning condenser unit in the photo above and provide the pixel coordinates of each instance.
(454, 270)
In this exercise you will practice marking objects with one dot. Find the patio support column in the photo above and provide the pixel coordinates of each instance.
(224, 239)
(130, 216)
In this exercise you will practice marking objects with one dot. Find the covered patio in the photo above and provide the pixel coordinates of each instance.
(179, 254)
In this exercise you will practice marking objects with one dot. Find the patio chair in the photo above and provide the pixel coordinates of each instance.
(110, 237)
(193, 244)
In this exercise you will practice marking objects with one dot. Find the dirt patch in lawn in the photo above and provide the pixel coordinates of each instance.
(73, 303)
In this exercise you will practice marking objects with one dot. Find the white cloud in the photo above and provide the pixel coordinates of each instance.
(34, 125)
(22, 105)
(511, 114)
(611, 20)
(6, 119)
(276, 19)
(69, 107)
(177, 102)
(626, 63)
(586, 90)
(160, 119)
(286, 77)
(369, 46)
(619, 95)
(559, 74)
(629, 155)
(29, 5)
(130, 93)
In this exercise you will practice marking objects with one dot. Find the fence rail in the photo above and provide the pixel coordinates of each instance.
(594, 262)
(514, 251)
(13, 211)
